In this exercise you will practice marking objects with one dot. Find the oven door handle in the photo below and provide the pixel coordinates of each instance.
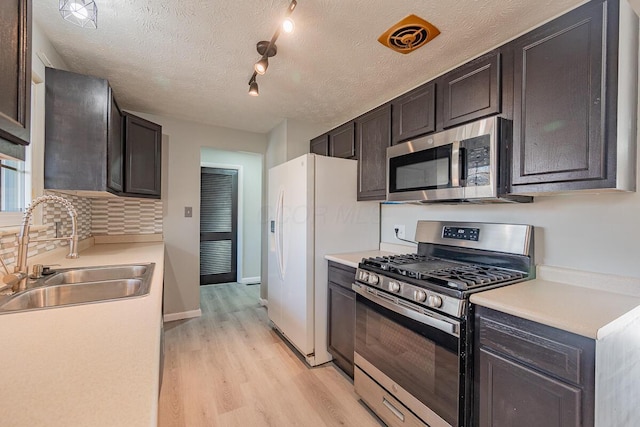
(450, 327)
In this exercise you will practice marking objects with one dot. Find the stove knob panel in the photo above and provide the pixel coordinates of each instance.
(373, 279)
(434, 301)
(394, 286)
(420, 296)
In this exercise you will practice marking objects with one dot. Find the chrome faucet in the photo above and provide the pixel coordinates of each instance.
(18, 280)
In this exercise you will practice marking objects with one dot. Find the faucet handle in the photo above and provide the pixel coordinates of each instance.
(39, 270)
(36, 271)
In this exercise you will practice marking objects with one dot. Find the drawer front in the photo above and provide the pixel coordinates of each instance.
(561, 360)
(390, 410)
(341, 274)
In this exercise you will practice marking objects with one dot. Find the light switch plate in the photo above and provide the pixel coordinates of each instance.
(188, 211)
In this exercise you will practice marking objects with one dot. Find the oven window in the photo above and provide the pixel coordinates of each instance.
(422, 170)
(420, 359)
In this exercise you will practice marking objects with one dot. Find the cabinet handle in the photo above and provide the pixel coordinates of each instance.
(393, 409)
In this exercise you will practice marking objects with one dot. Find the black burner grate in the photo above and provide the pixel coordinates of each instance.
(450, 273)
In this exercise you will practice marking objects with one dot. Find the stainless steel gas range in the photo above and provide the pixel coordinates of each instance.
(413, 346)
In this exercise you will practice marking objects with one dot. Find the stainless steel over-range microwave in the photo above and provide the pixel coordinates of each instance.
(468, 163)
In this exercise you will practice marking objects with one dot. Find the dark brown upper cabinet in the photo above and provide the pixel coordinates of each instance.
(15, 71)
(82, 134)
(89, 147)
(342, 141)
(471, 91)
(373, 136)
(414, 113)
(143, 156)
(115, 155)
(320, 145)
(570, 92)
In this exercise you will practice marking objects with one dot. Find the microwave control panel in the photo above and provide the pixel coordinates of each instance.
(461, 233)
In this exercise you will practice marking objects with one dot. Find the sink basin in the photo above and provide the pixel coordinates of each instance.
(87, 285)
(80, 293)
(95, 274)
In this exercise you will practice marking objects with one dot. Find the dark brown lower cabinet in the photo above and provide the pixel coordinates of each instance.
(529, 374)
(341, 316)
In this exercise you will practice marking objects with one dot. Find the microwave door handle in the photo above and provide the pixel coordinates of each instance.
(463, 166)
(455, 164)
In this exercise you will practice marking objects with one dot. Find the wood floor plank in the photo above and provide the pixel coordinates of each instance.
(230, 368)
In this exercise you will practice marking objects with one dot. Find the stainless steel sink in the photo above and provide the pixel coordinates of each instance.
(96, 274)
(82, 286)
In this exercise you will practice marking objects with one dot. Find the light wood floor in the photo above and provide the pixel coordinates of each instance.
(229, 368)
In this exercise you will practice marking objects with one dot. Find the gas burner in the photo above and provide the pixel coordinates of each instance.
(467, 277)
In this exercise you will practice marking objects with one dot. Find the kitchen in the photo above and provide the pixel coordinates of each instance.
(566, 226)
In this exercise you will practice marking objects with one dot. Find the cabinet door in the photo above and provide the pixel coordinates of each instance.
(76, 131)
(320, 145)
(560, 101)
(115, 153)
(414, 113)
(510, 394)
(342, 141)
(373, 136)
(143, 161)
(341, 332)
(15, 71)
(471, 91)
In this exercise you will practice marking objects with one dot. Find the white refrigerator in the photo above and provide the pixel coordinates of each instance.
(312, 212)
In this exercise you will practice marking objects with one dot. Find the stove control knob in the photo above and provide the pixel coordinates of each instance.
(373, 279)
(394, 286)
(420, 296)
(434, 301)
(364, 276)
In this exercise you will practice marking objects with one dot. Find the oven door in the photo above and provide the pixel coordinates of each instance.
(424, 169)
(414, 356)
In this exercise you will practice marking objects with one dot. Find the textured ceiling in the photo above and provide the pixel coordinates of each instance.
(192, 59)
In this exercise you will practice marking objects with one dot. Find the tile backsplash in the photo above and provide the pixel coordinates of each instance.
(126, 216)
(107, 216)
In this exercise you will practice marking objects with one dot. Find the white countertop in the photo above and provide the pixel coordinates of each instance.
(588, 304)
(90, 365)
(353, 258)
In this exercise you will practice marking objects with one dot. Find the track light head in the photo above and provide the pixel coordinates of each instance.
(261, 66)
(288, 25)
(253, 87)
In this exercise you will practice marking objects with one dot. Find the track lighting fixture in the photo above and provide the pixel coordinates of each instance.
(268, 49)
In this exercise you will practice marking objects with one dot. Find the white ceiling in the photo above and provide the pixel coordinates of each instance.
(192, 59)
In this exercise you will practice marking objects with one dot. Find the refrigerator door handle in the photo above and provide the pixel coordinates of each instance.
(278, 229)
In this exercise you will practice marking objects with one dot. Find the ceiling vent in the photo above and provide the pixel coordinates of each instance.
(409, 34)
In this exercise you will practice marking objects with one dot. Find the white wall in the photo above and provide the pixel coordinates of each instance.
(250, 195)
(598, 233)
(181, 174)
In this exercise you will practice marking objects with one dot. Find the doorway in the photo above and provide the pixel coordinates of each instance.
(218, 225)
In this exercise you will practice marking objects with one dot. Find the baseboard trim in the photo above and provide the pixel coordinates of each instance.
(183, 315)
(264, 302)
(249, 280)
